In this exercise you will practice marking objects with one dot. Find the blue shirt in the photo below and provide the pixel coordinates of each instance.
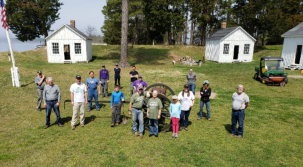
(116, 97)
(92, 83)
(175, 110)
(117, 71)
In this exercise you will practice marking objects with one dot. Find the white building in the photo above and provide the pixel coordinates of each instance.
(229, 45)
(68, 45)
(292, 46)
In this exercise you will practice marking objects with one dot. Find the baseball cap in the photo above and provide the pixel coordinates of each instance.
(206, 82)
(117, 64)
(186, 86)
(103, 65)
(78, 77)
(140, 76)
(140, 87)
(38, 72)
(174, 97)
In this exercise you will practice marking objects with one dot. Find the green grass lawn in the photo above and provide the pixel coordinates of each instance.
(273, 122)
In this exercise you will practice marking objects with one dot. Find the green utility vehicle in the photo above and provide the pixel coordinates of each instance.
(270, 71)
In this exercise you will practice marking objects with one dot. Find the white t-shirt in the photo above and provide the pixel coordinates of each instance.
(78, 91)
(239, 101)
(186, 101)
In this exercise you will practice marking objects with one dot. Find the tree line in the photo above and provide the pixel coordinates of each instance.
(193, 21)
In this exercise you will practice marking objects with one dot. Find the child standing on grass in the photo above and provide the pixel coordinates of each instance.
(116, 105)
(175, 111)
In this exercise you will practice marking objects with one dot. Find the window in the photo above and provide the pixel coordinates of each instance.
(226, 49)
(55, 48)
(77, 48)
(246, 48)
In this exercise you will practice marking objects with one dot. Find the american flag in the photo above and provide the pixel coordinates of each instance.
(3, 15)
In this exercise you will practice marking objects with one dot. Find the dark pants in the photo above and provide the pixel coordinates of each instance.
(50, 106)
(93, 93)
(116, 115)
(237, 116)
(186, 114)
(153, 125)
(117, 80)
(104, 86)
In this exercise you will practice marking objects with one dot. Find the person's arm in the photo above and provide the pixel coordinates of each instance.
(100, 76)
(99, 89)
(72, 98)
(159, 114)
(123, 97)
(207, 93)
(107, 76)
(130, 106)
(201, 91)
(192, 103)
(246, 105)
(85, 94)
(44, 98)
(59, 97)
(145, 85)
(170, 110)
(196, 78)
(41, 80)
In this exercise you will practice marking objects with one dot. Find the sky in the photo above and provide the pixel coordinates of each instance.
(84, 12)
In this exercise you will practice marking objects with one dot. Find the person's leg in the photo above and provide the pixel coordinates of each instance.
(193, 88)
(119, 80)
(96, 98)
(186, 117)
(102, 87)
(116, 79)
(190, 87)
(241, 122)
(114, 113)
(233, 122)
(134, 120)
(48, 113)
(208, 110)
(75, 113)
(56, 109)
(151, 126)
(201, 109)
(82, 113)
(39, 98)
(90, 97)
(173, 119)
(181, 118)
(141, 122)
(118, 108)
(106, 88)
(131, 89)
(177, 125)
(156, 127)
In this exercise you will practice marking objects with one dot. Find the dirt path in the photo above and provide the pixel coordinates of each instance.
(295, 76)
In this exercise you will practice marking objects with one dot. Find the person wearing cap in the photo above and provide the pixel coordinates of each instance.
(191, 80)
(205, 93)
(240, 103)
(40, 81)
(138, 83)
(52, 97)
(133, 77)
(92, 84)
(115, 105)
(135, 106)
(104, 79)
(154, 107)
(187, 99)
(78, 92)
(117, 74)
(175, 111)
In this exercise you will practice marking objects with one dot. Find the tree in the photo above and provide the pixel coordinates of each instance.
(33, 18)
(90, 31)
(124, 32)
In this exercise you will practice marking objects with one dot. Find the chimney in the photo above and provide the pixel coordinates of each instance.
(72, 23)
(223, 25)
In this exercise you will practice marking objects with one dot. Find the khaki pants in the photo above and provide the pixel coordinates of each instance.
(39, 98)
(78, 106)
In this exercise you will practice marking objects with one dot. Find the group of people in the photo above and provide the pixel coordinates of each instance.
(179, 109)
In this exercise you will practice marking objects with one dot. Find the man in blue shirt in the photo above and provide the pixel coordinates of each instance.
(92, 84)
(116, 105)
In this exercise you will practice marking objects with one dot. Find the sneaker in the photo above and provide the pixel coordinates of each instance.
(73, 127)
(185, 128)
(173, 135)
(231, 134)
(60, 125)
(136, 134)
(150, 135)
(98, 109)
(180, 128)
(156, 135)
(176, 135)
(209, 119)
(117, 123)
(141, 136)
(113, 124)
(89, 110)
(82, 125)
(239, 136)
(198, 118)
(46, 126)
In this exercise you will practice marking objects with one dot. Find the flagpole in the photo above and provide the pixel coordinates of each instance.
(10, 47)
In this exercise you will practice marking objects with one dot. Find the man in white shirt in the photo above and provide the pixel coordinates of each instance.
(78, 92)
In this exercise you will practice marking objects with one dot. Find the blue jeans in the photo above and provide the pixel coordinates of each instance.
(192, 88)
(153, 125)
(186, 114)
(207, 108)
(104, 86)
(49, 107)
(93, 93)
(117, 80)
(137, 115)
(237, 116)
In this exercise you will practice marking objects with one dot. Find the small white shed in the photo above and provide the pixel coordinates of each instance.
(68, 45)
(292, 46)
(229, 45)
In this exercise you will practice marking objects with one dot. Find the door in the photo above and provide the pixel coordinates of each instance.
(66, 52)
(236, 52)
(298, 54)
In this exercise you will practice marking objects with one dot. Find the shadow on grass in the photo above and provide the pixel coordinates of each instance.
(24, 85)
(203, 114)
(228, 127)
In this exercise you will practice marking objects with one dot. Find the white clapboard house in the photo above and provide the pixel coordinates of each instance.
(68, 45)
(292, 47)
(229, 45)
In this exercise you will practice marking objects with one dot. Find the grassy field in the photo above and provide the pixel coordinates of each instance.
(273, 123)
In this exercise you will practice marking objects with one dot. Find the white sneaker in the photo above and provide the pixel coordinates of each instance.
(173, 135)
(176, 135)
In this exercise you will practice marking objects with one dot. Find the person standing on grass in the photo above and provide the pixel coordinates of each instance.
(117, 74)
(116, 105)
(175, 111)
(191, 80)
(135, 106)
(104, 79)
(92, 84)
(154, 107)
(133, 77)
(187, 100)
(52, 97)
(240, 103)
(205, 92)
(138, 83)
(39, 80)
(78, 92)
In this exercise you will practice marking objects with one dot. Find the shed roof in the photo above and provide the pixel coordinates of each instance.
(294, 32)
(73, 29)
(224, 32)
